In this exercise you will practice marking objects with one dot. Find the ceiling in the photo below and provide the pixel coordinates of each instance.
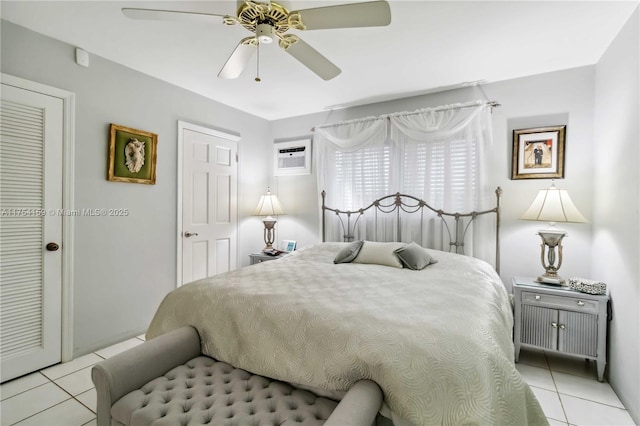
(429, 46)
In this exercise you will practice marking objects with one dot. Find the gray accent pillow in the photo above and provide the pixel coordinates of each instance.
(413, 256)
(348, 253)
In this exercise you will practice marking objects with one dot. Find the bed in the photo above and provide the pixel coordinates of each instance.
(437, 340)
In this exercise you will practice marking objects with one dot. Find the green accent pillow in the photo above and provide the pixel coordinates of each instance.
(413, 256)
(348, 253)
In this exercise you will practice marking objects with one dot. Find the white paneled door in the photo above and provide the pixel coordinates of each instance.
(209, 202)
(31, 161)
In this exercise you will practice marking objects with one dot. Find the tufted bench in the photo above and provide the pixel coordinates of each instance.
(167, 382)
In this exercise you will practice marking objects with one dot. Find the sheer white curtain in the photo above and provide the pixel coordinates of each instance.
(436, 154)
(441, 154)
(442, 160)
(352, 161)
(352, 166)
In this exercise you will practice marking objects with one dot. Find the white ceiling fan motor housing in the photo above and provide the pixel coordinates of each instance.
(265, 33)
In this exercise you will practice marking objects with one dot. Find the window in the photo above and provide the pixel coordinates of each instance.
(362, 175)
(433, 154)
(442, 173)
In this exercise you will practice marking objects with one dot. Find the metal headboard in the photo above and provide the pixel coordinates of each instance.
(397, 203)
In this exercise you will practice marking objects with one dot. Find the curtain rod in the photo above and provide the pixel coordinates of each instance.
(491, 104)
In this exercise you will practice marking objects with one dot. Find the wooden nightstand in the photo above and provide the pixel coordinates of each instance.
(261, 257)
(559, 319)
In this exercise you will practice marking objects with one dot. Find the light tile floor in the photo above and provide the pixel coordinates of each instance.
(63, 395)
(569, 392)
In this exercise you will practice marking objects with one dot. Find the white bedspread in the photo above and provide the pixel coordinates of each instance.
(437, 341)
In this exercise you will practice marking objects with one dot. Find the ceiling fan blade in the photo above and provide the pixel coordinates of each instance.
(171, 15)
(369, 14)
(312, 59)
(238, 60)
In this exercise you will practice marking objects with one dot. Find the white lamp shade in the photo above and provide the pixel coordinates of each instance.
(553, 205)
(268, 206)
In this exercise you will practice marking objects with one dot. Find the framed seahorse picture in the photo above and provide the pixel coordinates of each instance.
(132, 155)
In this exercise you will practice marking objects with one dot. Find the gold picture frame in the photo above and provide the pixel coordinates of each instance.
(132, 155)
(538, 153)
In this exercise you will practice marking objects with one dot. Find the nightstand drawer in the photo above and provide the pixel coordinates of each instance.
(563, 302)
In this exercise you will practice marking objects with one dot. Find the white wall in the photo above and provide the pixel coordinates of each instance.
(616, 220)
(123, 266)
(564, 97)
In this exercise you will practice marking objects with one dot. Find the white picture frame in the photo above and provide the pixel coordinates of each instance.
(288, 245)
(292, 158)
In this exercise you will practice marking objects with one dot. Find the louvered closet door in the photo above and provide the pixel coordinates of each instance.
(31, 131)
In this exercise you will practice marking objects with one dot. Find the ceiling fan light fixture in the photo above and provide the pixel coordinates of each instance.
(269, 21)
(265, 33)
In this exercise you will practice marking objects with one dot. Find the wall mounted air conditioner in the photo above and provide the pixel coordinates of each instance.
(292, 158)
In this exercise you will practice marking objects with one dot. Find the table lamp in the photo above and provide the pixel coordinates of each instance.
(268, 206)
(552, 205)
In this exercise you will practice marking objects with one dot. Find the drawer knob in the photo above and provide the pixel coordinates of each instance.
(537, 297)
(580, 303)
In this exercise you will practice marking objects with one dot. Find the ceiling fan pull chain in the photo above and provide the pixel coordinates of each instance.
(258, 64)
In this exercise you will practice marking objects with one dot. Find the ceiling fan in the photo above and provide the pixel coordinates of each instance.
(269, 21)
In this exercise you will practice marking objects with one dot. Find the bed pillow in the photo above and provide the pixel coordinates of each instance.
(348, 253)
(379, 254)
(413, 256)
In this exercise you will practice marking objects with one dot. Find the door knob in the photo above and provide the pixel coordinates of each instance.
(188, 234)
(52, 247)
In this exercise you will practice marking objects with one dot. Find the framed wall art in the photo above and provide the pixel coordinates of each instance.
(538, 153)
(132, 155)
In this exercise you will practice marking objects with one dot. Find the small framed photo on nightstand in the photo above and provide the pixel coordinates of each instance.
(288, 245)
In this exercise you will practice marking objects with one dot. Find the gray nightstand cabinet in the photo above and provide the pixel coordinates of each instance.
(558, 319)
(261, 257)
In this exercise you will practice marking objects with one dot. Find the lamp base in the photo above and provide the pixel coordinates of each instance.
(552, 246)
(545, 279)
(269, 224)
